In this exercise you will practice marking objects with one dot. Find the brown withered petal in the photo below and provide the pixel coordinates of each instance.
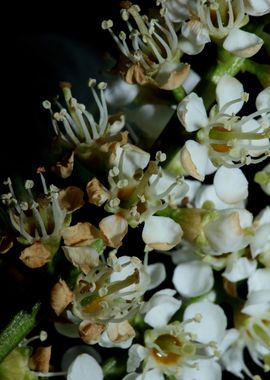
(175, 79)
(71, 198)
(97, 193)
(40, 360)
(81, 234)
(136, 75)
(61, 297)
(120, 332)
(64, 167)
(90, 332)
(84, 258)
(36, 255)
(114, 228)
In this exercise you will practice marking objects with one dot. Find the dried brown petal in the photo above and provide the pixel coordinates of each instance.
(120, 332)
(71, 198)
(84, 258)
(81, 234)
(90, 332)
(36, 255)
(61, 296)
(97, 193)
(40, 360)
(114, 228)
(64, 167)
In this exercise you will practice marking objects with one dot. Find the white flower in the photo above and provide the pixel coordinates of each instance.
(175, 348)
(76, 125)
(152, 56)
(224, 138)
(263, 179)
(230, 232)
(213, 20)
(193, 278)
(260, 241)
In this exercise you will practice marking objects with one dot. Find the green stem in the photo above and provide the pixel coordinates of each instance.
(179, 93)
(114, 368)
(17, 329)
(227, 63)
(260, 70)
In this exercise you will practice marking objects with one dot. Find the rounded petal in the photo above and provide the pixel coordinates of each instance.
(240, 269)
(157, 273)
(231, 185)
(257, 304)
(207, 369)
(161, 233)
(193, 279)
(194, 159)
(228, 89)
(191, 113)
(71, 354)
(263, 99)
(207, 193)
(259, 280)
(212, 324)
(260, 241)
(191, 82)
(84, 365)
(257, 7)
(120, 92)
(136, 355)
(242, 43)
(160, 309)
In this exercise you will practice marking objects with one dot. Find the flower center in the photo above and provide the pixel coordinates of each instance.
(170, 349)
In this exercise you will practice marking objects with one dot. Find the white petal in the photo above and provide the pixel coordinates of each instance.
(207, 369)
(231, 185)
(193, 279)
(260, 280)
(240, 269)
(230, 337)
(105, 341)
(242, 43)
(157, 274)
(191, 113)
(71, 354)
(160, 308)
(263, 99)
(136, 354)
(257, 7)
(191, 82)
(82, 366)
(228, 89)
(120, 93)
(161, 233)
(134, 159)
(226, 233)
(260, 242)
(207, 193)
(178, 9)
(152, 374)
(212, 325)
(194, 157)
(257, 304)
(233, 360)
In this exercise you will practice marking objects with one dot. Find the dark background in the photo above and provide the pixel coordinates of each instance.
(65, 45)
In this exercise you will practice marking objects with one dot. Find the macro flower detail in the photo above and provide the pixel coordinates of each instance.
(223, 137)
(39, 221)
(153, 57)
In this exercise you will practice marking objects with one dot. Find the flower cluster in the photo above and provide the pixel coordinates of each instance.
(152, 246)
